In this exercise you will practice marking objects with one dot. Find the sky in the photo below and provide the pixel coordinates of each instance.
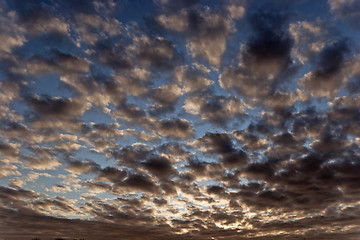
(192, 119)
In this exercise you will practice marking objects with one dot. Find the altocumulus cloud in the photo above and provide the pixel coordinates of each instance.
(179, 119)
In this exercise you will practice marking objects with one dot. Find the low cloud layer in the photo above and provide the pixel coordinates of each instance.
(179, 120)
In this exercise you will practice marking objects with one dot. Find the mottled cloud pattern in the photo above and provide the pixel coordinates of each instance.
(179, 119)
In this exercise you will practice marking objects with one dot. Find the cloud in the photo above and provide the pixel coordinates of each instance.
(192, 79)
(48, 106)
(39, 21)
(17, 131)
(250, 140)
(17, 183)
(309, 38)
(215, 143)
(9, 193)
(131, 86)
(156, 52)
(234, 159)
(8, 169)
(215, 109)
(174, 22)
(57, 61)
(165, 98)
(160, 202)
(235, 11)
(9, 150)
(175, 128)
(87, 229)
(61, 205)
(159, 166)
(88, 26)
(42, 158)
(139, 182)
(111, 174)
(131, 154)
(265, 58)
(79, 167)
(348, 10)
(212, 31)
(199, 120)
(113, 55)
(12, 35)
(58, 188)
(330, 72)
(207, 32)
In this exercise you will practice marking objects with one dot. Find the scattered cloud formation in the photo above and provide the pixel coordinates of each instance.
(348, 10)
(179, 119)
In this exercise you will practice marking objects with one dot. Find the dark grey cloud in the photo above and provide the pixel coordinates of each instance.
(215, 143)
(175, 128)
(223, 145)
(80, 167)
(138, 182)
(130, 155)
(265, 58)
(9, 150)
(329, 75)
(234, 159)
(270, 44)
(58, 107)
(9, 193)
(160, 201)
(66, 228)
(217, 190)
(159, 166)
(42, 21)
(111, 174)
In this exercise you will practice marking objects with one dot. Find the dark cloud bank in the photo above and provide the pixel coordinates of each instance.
(199, 120)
